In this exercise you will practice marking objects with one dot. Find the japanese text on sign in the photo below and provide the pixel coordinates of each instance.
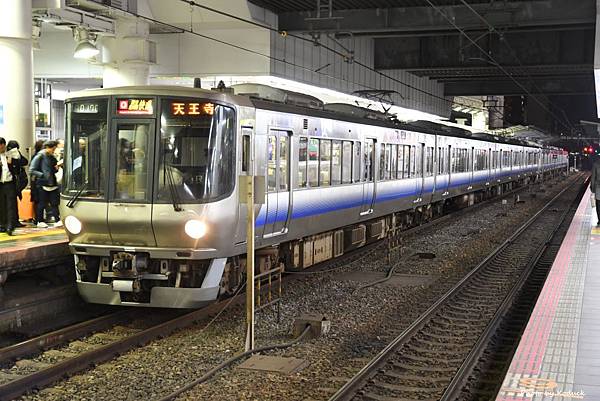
(135, 106)
(192, 109)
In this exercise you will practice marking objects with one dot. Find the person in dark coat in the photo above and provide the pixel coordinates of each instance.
(44, 167)
(8, 195)
(595, 185)
(37, 148)
(20, 179)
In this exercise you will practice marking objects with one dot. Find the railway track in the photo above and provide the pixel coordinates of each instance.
(48, 358)
(444, 345)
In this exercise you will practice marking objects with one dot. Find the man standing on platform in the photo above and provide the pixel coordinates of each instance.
(8, 194)
(595, 185)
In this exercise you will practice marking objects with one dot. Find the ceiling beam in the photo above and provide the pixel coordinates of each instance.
(543, 15)
(505, 87)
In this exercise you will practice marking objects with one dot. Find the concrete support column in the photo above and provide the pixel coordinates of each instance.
(16, 72)
(127, 56)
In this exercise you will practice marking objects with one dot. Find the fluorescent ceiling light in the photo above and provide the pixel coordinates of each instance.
(85, 50)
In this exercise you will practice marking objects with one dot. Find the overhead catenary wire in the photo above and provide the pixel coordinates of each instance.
(492, 59)
(345, 56)
(492, 28)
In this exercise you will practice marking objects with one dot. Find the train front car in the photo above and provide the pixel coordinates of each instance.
(149, 194)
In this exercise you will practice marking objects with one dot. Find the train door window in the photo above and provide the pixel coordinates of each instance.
(393, 159)
(382, 162)
(246, 152)
(346, 162)
(313, 162)
(132, 161)
(369, 160)
(284, 151)
(302, 162)
(429, 161)
(271, 162)
(418, 161)
(336, 162)
(357, 155)
(407, 161)
(400, 162)
(324, 162)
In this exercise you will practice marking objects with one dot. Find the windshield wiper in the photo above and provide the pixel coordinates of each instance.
(172, 188)
(74, 198)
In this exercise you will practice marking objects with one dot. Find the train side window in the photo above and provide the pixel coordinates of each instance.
(356, 162)
(417, 166)
(283, 163)
(324, 162)
(271, 162)
(400, 162)
(393, 159)
(346, 162)
(302, 162)
(313, 162)
(336, 162)
(245, 153)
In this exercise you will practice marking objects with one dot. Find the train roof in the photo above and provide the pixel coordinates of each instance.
(274, 99)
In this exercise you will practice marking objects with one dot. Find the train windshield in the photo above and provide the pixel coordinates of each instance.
(86, 148)
(197, 151)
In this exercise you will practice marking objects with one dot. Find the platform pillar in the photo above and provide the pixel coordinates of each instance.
(127, 56)
(16, 72)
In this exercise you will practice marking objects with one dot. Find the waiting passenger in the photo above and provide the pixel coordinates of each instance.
(20, 177)
(44, 168)
(7, 188)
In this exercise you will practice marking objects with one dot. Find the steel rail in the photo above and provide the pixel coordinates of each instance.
(462, 375)
(351, 387)
(102, 354)
(61, 336)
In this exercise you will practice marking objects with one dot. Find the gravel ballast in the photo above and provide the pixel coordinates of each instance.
(363, 321)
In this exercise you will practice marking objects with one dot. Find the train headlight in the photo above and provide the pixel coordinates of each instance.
(195, 229)
(73, 225)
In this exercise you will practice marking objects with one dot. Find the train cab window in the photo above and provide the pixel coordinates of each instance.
(324, 162)
(336, 162)
(356, 173)
(313, 162)
(346, 162)
(196, 154)
(132, 161)
(271, 163)
(86, 148)
(284, 176)
(302, 162)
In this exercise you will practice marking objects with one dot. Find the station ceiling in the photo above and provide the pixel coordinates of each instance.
(548, 46)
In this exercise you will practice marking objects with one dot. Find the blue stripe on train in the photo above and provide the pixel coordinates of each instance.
(308, 210)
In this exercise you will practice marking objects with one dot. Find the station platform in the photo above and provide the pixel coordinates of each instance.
(558, 357)
(32, 248)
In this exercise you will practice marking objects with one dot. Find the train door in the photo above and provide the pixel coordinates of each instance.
(278, 199)
(130, 203)
(419, 171)
(471, 161)
(369, 172)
